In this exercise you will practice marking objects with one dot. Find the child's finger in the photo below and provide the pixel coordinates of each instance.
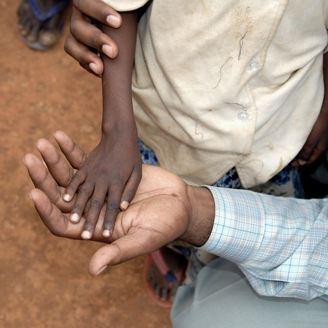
(130, 189)
(86, 58)
(112, 209)
(56, 221)
(74, 154)
(96, 202)
(99, 11)
(84, 193)
(56, 164)
(317, 152)
(77, 179)
(87, 34)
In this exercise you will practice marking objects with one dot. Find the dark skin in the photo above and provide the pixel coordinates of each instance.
(317, 141)
(31, 28)
(312, 149)
(164, 208)
(85, 35)
(113, 168)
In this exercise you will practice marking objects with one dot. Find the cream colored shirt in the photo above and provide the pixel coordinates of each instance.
(224, 83)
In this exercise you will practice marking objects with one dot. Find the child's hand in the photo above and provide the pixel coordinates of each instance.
(112, 169)
(317, 141)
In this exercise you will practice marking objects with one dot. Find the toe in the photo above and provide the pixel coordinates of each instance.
(48, 38)
(33, 33)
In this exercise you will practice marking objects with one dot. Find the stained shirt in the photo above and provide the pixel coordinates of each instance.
(280, 244)
(227, 83)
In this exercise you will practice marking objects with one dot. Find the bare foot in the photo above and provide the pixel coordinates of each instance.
(41, 22)
(164, 273)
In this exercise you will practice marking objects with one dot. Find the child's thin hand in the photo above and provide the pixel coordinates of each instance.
(112, 169)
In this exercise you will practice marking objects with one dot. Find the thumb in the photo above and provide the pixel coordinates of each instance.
(124, 249)
(121, 250)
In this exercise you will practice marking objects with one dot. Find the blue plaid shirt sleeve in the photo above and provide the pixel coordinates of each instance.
(280, 244)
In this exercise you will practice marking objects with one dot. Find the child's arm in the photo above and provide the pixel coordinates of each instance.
(113, 168)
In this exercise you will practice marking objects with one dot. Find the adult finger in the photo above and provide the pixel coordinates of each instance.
(52, 217)
(74, 154)
(57, 222)
(99, 11)
(57, 166)
(44, 181)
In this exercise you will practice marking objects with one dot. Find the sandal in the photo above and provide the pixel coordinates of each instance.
(155, 265)
(43, 17)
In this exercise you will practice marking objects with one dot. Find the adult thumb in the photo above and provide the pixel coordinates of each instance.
(121, 250)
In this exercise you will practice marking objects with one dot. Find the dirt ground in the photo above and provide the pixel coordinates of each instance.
(44, 280)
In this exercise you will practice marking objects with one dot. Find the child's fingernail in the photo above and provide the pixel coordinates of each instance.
(75, 218)
(67, 197)
(101, 270)
(86, 234)
(93, 67)
(107, 50)
(124, 205)
(106, 233)
(113, 20)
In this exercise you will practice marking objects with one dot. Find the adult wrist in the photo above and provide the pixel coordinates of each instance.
(202, 213)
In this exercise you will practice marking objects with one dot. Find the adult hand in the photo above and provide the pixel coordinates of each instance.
(164, 208)
(86, 40)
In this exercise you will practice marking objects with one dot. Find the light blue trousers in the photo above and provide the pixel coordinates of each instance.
(222, 298)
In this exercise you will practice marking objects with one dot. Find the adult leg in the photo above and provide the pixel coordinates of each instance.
(222, 298)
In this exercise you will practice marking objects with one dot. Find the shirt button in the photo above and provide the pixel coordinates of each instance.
(253, 65)
(243, 116)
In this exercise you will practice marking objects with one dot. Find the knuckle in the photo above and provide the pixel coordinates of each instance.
(113, 206)
(96, 204)
(85, 190)
(77, 209)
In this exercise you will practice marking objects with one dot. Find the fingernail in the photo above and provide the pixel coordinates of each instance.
(86, 234)
(93, 67)
(301, 162)
(101, 270)
(106, 233)
(75, 218)
(67, 197)
(107, 50)
(124, 205)
(113, 21)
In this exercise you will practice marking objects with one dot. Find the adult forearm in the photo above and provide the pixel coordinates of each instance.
(116, 81)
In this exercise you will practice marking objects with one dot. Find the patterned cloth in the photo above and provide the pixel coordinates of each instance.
(286, 183)
(280, 244)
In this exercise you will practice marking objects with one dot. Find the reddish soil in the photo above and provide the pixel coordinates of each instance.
(44, 280)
